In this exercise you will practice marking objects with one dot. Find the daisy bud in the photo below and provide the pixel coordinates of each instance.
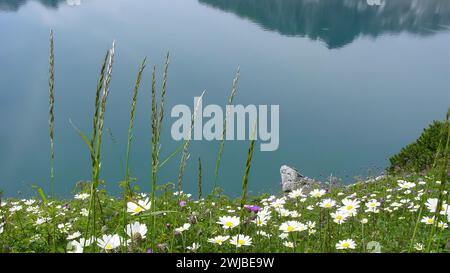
(104, 229)
(137, 237)
(192, 219)
(162, 247)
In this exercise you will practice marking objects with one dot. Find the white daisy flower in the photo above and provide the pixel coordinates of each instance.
(296, 194)
(350, 206)
(74, 235)
(261, 221)
(229, 222)
(418, 246)
(427, 220)
(194, 247)
(109, 242)
(339, 217)
(317, 193)
(241, 240)
(136, 208)
(327, 203)
(288, 244)
(292, 226)
(74, 247)
(183, 228)
(82, 196)
(219, 240)
(346, 244)
(136, 229)
(372, 206)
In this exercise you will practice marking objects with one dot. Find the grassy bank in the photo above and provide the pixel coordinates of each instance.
(381, 216)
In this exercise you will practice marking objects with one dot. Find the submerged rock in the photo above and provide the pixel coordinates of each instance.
(291, 180)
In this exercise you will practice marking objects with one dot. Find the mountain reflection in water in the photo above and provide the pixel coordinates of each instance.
(339, 22)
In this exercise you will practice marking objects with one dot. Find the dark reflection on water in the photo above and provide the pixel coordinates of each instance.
(339, 22)
(335, 22)
(15, 5)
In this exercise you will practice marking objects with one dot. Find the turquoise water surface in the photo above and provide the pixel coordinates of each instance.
(355, 83)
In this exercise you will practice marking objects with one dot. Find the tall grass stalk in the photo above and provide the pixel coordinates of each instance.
(128, 194)
(155, 150)
(51, 122)
(98, 90)
(130, 127)
(156, 124)
(90, 143)
(51, 85)
(95, 143)
(101, 119)
(248, 165)
(224, 129)
(200, 191)
(185, 153)
(163, 95)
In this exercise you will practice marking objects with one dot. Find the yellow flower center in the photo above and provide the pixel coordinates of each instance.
(345, 245)
(430, 221)
(327, 205)
(338, 217)
(108, 246)
(289, 229)
(228, 224)
(241, 242)
(137, 209)
(349, 207)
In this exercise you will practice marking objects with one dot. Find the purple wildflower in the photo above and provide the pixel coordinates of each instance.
(252, 208)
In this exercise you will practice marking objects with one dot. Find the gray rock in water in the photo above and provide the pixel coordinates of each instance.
(291, 180)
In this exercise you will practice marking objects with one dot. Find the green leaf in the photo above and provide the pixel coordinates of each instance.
(150, 213)
(41, 193)
(172, 155)
(85, 139)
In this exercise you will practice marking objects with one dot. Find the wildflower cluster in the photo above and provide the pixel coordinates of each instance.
(396, 215)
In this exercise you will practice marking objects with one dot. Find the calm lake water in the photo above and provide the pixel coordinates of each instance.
(355, 82)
